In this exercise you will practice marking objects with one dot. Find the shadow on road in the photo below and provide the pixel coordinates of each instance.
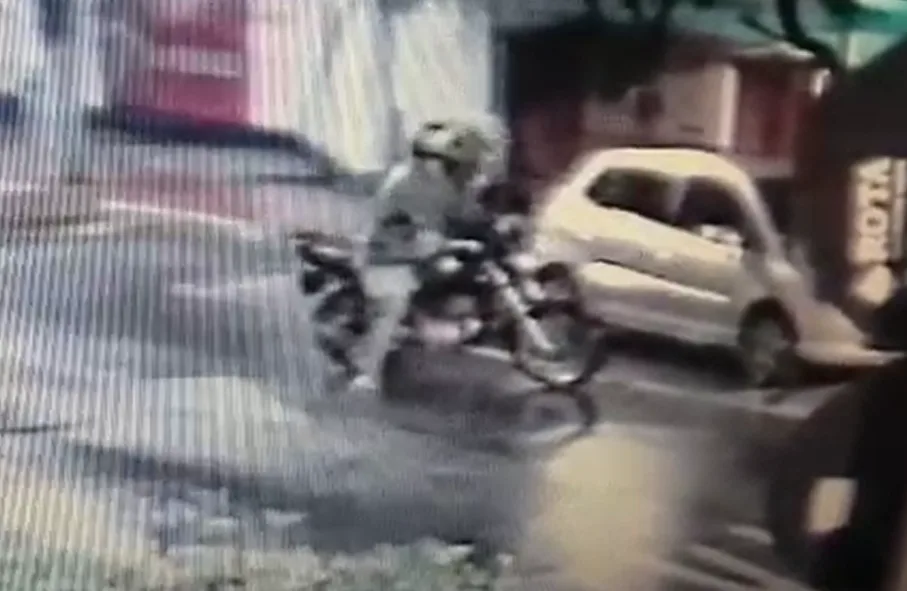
(393, 492)
(482, 402)
(465, 448)
(715, 368)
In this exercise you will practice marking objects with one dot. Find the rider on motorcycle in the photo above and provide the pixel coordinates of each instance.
(413, 205)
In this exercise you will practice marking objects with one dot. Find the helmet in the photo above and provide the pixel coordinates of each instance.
(450, 141)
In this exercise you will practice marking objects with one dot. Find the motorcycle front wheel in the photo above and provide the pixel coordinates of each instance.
(578, 349)
(340, 320)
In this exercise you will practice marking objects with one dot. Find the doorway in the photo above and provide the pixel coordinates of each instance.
(773, 96)
(544, 96)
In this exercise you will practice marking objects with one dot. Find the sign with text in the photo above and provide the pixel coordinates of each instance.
(193, 61)
(877, 214)
(876, 233)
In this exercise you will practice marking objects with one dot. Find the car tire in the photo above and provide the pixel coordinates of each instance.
(766, 344)
(558, 283)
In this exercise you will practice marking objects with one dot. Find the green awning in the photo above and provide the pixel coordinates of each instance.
(879, 21)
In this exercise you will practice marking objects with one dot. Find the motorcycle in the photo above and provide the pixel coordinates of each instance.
(479, 290)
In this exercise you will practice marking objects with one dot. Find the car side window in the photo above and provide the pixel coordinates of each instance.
(639, 192)
(707, 203)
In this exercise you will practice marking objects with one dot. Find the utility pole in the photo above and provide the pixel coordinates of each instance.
(850, 50)
(55, 124)
(385, 56)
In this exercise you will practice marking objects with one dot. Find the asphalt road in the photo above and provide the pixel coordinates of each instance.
(170, 370)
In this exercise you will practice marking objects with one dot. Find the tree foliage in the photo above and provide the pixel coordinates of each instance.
(652, 24)
(627, 55)
(794, 30)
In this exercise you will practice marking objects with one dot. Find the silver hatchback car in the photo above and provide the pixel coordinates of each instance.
(679, 242)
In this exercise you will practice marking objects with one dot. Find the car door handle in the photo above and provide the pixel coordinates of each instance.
(662, 255)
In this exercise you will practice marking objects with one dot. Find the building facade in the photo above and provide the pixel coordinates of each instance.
(737, 93)
(747, 102)
(356, 76)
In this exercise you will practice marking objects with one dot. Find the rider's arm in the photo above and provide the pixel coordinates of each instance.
(382, 205)
(428, 242)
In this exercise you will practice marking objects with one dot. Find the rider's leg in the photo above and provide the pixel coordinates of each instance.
(392, 286)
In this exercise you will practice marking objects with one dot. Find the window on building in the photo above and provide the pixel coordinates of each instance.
(643, 193)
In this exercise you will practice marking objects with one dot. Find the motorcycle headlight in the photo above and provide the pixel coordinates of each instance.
(447, 265)
(523, 261)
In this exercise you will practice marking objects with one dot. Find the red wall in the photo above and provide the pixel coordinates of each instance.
(194, 65)
(772, 102)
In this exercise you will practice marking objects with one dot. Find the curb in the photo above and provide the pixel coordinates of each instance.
(246, 228)
(169, 182)
(41, 223)
(154, 127)
(254, 206)
(28, 207)
(185, 181)
(150, 127)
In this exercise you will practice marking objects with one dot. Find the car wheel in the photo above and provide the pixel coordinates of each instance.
(767, 343)
(557, 283)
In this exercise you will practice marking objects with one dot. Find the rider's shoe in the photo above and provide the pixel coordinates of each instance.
(472, 331)
(363, 384)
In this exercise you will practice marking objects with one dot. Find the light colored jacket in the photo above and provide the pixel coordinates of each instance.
(426, 197)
